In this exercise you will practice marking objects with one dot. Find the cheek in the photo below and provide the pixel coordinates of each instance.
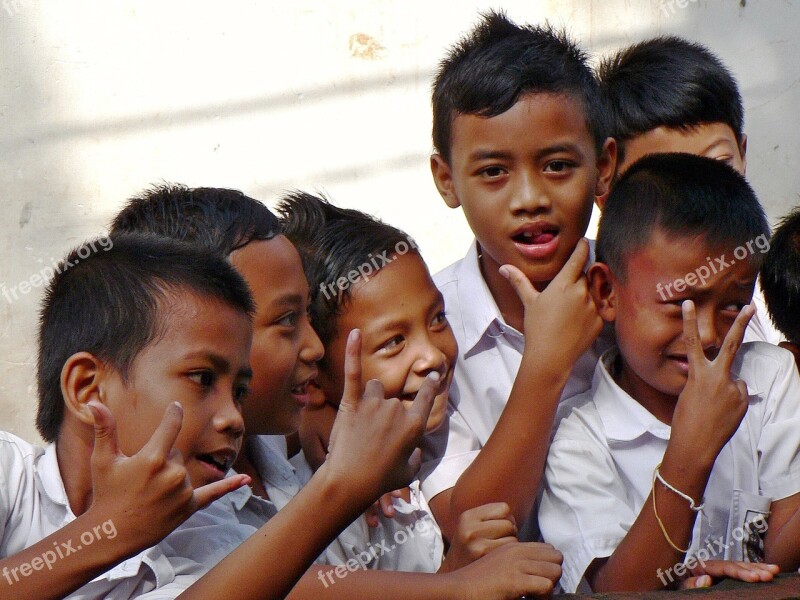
(392, 376)
(272, 358)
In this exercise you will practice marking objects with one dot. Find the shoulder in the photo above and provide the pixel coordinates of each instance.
(16, 454)
(759, 364)
(578, 419)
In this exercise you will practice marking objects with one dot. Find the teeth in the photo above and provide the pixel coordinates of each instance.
(527, 234)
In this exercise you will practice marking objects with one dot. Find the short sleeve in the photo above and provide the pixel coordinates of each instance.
(585, 510)
(446, 454)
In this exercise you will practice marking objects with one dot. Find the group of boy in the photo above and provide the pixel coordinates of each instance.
(622, 400)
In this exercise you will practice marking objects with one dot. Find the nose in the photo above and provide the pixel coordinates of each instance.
(430, 359)
(228, 417)
(710, 337)
(311, 348)
(528, 195)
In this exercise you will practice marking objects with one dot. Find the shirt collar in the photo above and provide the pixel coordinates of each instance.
(48, 478)
(624, 419)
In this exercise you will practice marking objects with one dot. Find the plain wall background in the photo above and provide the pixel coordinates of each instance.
(99, 100)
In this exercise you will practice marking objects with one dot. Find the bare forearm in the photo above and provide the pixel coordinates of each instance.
(644, 559)
(64, 561)
(341, 583)
(781, 546)
(510, 466)
(333, 507)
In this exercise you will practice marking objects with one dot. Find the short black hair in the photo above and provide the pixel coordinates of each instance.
(107, 298)
(334, 244)
(780, 277)
(488, 71)
(667, 82)
(220, 219)
(683, 196)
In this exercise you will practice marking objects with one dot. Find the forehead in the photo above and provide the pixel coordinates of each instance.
(272, 269)
(536, 120)
(191, 325)
(401, 290)
(703, 140)
(666, 259)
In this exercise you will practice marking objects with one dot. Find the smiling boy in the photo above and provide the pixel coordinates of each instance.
(685, 439)
(521, 147)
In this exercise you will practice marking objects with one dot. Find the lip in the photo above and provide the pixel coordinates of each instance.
(303, 397)
(444, 386)
(224, 456)
(537, 251)
(681, 362)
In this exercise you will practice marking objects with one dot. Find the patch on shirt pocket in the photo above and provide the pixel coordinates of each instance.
(747, 526)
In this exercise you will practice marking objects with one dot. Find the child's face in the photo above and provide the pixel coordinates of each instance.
(526, 180)
(201, 361)
(405, 335)
(646, 311)
(285, 347)
(712, 140)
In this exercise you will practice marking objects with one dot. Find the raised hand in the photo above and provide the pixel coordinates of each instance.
(564, 314)
(480, 530)
(712, 404)
(374, 440)
(149, 494)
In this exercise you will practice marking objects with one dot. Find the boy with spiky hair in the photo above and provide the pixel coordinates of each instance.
(520, 145)
(780, 281)
(682, 460)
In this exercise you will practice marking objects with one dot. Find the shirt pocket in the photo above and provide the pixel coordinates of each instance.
(747, 526)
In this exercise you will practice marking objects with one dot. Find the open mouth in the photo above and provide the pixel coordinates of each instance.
(301, 392)
(222, 462)
(536, 238)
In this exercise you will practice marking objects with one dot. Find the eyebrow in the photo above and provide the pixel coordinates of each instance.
(717, 142)
(289, 300)
(220, 363)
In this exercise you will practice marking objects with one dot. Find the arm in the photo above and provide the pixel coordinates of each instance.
(511, 571)
(137, 501)
(687, 464)
(782, 543)
(561, 323)
(368, 428)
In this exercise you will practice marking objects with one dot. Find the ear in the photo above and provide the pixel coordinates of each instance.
(743, 152)
(602, 289)
(81, 381)
(606, 167)
(443, 178)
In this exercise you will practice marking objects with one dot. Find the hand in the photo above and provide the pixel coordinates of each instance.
(385, 506)
(704, 573)
(146, 495)
(710, 379)
(374, 440)
(512, 570)
(480, 530)
(565, 311)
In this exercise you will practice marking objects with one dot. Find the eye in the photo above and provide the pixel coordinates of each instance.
(241, 392)
(287, 320)
(557, 166)
(492, 172)
(392, 344)
(203, 378)
(440, 320)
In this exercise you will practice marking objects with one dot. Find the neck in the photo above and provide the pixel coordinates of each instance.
(245, 465)
(74, 450)
(660, 405)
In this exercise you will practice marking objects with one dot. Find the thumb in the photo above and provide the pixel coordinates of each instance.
(521, 284)
(105, 432)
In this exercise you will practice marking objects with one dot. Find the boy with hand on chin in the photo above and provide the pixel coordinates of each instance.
(521, 147)
(686, 446)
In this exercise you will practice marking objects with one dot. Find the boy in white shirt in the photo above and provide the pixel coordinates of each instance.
(686, 447)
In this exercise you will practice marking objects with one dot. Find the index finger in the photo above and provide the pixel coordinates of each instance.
(423, 402)
(691, 334)
(352, 371)
(735, 335)
(163, 438)
(573, 268)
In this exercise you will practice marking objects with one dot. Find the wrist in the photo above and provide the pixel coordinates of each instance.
(342, 489)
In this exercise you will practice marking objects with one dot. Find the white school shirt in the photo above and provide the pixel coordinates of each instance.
(490, 352)
(600, 467)
(409, 542)
(489, 355)
(34, 504)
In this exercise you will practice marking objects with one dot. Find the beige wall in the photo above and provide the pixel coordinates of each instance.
(98, 100)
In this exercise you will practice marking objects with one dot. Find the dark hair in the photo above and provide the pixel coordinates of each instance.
(335, 243)
(495, 64)
(682, 195)
(780, 277)
(111, 303)
(667, 82)
(219, 219)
